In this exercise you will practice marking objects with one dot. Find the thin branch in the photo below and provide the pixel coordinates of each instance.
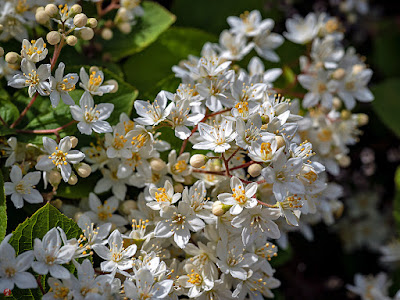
(23, 113)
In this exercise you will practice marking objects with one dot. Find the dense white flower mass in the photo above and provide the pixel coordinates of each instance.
(198, 185)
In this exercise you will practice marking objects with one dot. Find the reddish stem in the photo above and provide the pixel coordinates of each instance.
(56, 54)
(265, 204)
(209, 172)
(47, 131)
(233, 154)
(40, 284)
(245, 165)
(25, 111)
(226, 165)
(2, 121)
(113, 5)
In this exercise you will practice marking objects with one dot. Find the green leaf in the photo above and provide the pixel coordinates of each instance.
(396, 208)
(154, 64)
(386, 103)
(44, 219)
(156, 19)
(3, 209)
(8, 111)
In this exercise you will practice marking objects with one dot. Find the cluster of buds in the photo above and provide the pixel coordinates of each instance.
(70, 20)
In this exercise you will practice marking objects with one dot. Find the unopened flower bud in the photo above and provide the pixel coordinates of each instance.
(71, 40)
(112, 82)
(51, 10)
(157, 165)
(178, 188)
(1, 51)
(218, 208)
(345, 114)
(57, 203)
(344, 161)
(80, 20)
(198, 160)
(73, 179)
(93, 69)
(127, 206)
(54, 178)
(13, 58)
(188, 180)
(339, 74)
(280, 141)
(74, 10)
(338, 209)
(74, 141)
(125, 27)
(92, 22)
(362, 119)
(357, 68)
(53, 37)
(106, 34)
(77, 216)
(86, 33)
(254, 170)
(336, 103)
(83, 170)
(42, 17)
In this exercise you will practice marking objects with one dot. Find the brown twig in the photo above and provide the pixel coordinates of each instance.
(23, 113)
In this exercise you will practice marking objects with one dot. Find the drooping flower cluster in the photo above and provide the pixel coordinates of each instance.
(204, 225)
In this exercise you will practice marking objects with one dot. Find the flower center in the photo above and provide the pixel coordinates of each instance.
(162, 195)
(180, 166)
(58, 157)
(61, 292)
(266, 151)
(32, 78)
(91, 114)
(119, 141)
(65, 85)
(21, 188)
(10, 272)
(94, 81)
(194, 278)
(239, 195)
(50, 259)
(325, 135)
(242, 107)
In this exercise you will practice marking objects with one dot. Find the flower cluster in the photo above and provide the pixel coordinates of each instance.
(208, 203)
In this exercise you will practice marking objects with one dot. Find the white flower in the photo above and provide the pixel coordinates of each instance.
(258, 285)
(283, 175)
(233, 47)
(180, 119)
(232, 260)
(320, 89)
(290, 209)
(178, 167)
(117, 143)
(13, 269)
(301, 31)
(370, 287)
(116, 256)
(390, 252)
(61, 156)
(88, 286)
(93, 83)
(34, 79)
(14, 152)
(111, 181)
(93, 235)
(242, 197)
(177, 222)
(257, 222)
(196, 198)
(163, 197)
(217, 138)
(152, 114)
(195, 280)
(34, 51)
(50, 255)
(103, 213)
(250, 132)
(61, 85)
(59, 289)
(90, 116)
(354, 86)
(264, 150)
(266, 42)
(249, 24)
(146, 287)
(258, 74)
(22, 188)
